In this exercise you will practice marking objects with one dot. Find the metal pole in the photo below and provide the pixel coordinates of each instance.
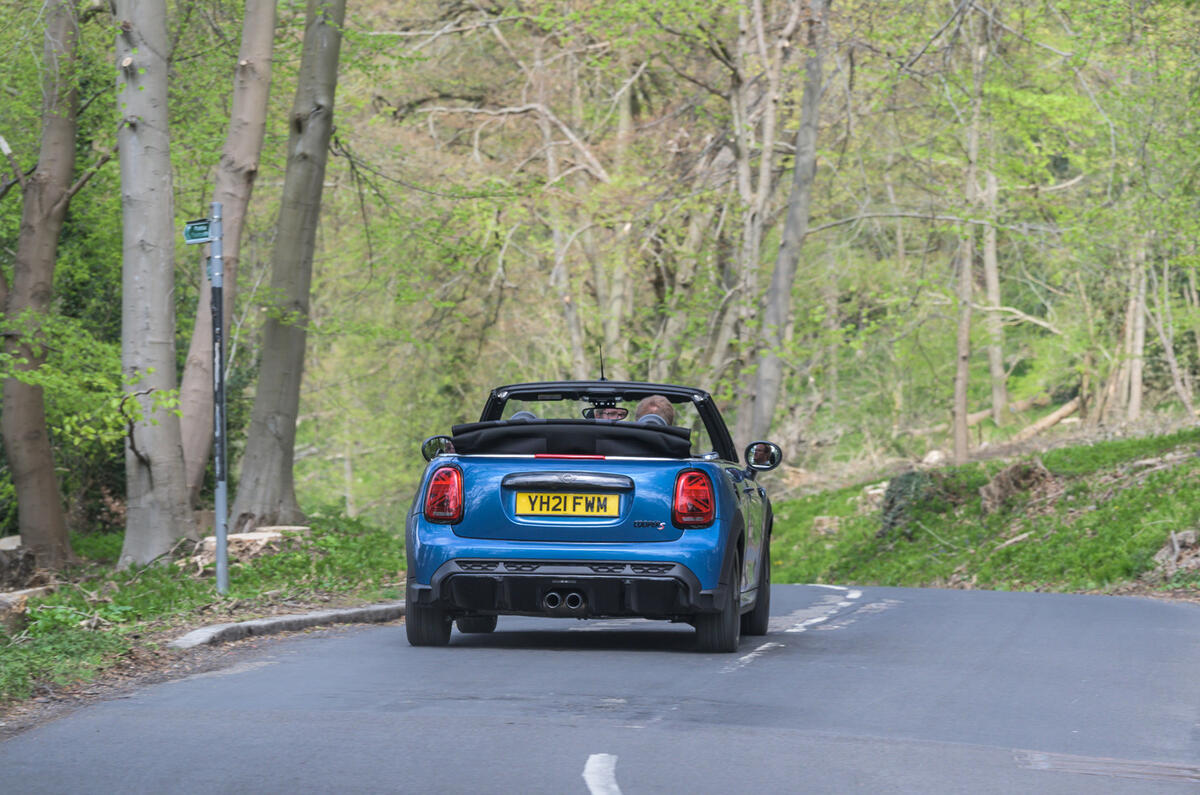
(217, 275)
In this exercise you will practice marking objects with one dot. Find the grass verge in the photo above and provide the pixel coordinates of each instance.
(1095, 523)
(100, 615)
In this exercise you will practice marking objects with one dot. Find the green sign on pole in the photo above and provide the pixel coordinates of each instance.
(196, 231)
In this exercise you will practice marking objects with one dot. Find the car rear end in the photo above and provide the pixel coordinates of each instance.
(569, 536)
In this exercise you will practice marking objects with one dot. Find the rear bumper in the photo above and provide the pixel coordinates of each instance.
(607, 588)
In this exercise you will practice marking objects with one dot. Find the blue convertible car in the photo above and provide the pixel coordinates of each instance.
(561, 501)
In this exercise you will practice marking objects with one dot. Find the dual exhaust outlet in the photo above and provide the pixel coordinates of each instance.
(558, 601)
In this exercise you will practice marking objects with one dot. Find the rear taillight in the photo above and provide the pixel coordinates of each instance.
(444, 498)
(694, 504)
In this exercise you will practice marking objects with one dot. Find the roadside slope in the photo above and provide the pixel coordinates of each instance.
(1113, 516)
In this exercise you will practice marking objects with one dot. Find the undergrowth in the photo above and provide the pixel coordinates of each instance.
(101, 613)
(1096, 525)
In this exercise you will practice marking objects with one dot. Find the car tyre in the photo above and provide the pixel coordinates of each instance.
(475, 625)
(721, 632)
(756, 621)
(426, 625)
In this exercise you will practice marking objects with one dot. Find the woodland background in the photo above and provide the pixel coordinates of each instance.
(1001, 224)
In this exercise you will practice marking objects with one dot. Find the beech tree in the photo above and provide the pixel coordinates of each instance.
(776, 303)
(975, 42)
(266, 487)
(157, 512)
(236, 173)
(47, 192)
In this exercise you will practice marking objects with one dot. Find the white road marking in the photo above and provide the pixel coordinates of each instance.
(600, 774)
(821, 615)
(831, 587)
(797, 620)
(867, 609)
(803, 625)
(746, 659)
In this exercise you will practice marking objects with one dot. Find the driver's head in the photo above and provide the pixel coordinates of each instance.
(610, 413)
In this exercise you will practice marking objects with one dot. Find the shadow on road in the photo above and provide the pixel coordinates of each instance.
(664, 637)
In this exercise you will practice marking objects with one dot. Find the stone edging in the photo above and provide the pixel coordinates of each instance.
(222, 633)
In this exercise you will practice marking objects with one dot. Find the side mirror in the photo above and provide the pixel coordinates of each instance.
(435, 446)
(763, 456)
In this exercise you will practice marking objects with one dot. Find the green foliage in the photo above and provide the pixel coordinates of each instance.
(85, 625)
(1098, 527)
(97, 547)
(58, 658)
(1073, 461)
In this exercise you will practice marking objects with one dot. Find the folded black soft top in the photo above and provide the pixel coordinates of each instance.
(572, 437)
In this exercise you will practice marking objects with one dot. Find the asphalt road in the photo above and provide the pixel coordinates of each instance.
(854, 690)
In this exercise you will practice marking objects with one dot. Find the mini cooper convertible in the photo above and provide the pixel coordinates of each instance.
(562, 502)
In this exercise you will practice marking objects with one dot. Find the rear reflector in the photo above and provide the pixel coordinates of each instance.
(563, 455)
(694, 504)
(444, 498)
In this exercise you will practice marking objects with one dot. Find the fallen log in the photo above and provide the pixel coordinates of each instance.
(1047, 422)
(976, 417)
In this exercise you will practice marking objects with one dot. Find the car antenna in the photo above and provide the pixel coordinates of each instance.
(601, 347)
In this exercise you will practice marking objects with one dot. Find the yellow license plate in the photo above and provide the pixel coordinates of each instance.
(536, 503)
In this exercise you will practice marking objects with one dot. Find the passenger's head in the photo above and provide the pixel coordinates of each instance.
(656, 404)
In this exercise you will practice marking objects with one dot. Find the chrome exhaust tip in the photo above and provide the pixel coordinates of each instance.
(574, 600)
(552, 600)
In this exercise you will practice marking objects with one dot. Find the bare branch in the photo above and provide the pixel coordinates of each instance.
(87, 175)
(1051, 188)
(452, 26)
(130, 421)
(919, 53)
(991, 18)
(590, 162)
(1008, 310)
(927, 217)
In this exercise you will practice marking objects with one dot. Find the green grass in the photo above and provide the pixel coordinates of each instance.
(87, 624)
(1099, 527)
(1093, 458)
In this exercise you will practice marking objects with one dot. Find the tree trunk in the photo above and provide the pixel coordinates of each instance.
(669, 346)
(832, 324)
(40, 515)
(266, 490)
(777, 303)
(1193, 300)
(966, 248)
(560, 272)
(962, 440)
(616, 298)
(991, 275)
(1165, 328)
(236, 173)
(1138, 351)
(157, 511)
(1115, 397)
